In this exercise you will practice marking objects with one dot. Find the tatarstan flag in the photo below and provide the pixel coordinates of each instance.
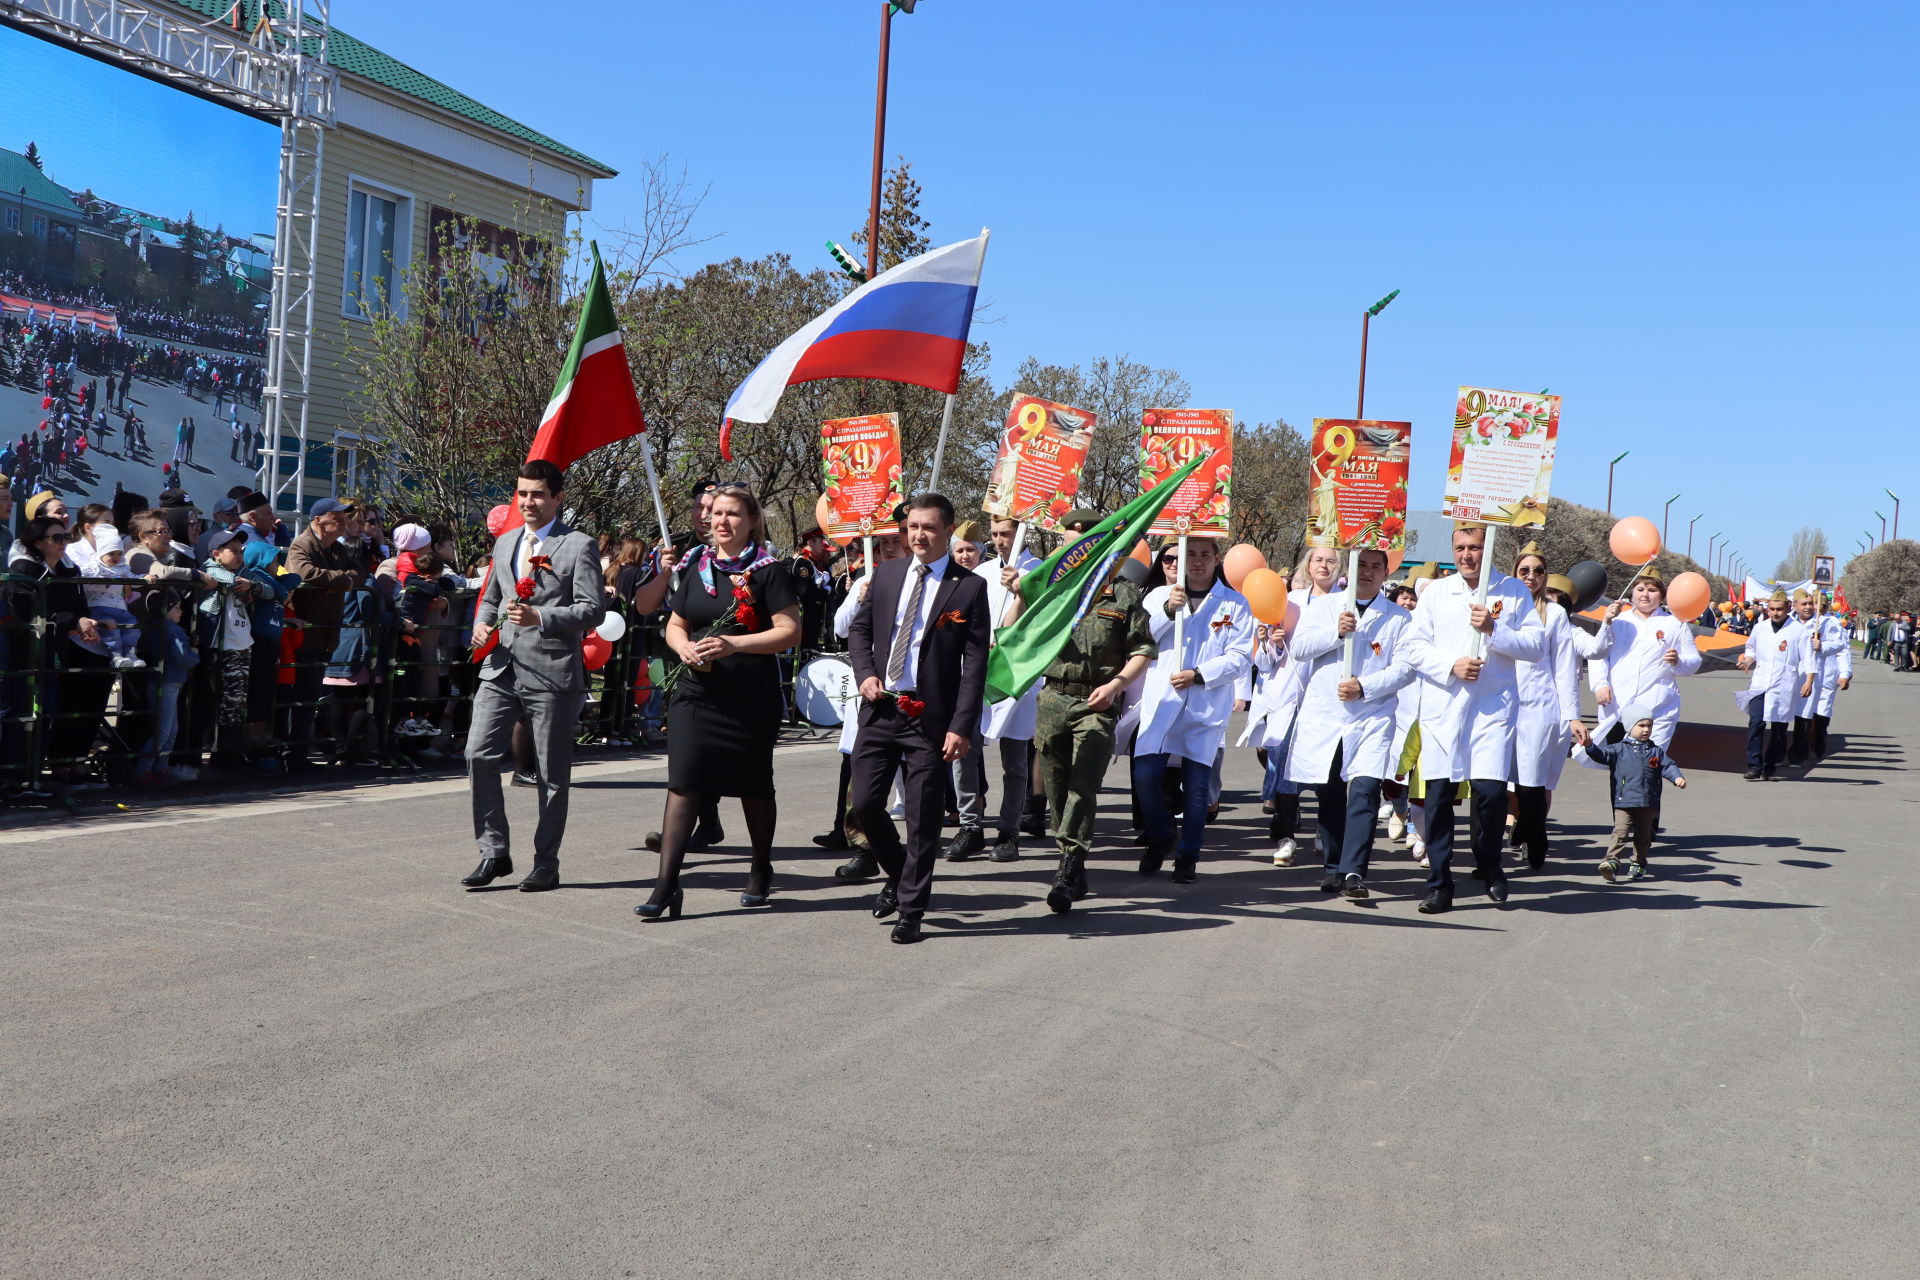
(594, 402)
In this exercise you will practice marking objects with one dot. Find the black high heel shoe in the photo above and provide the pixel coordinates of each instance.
(670, 906)
(751, 899)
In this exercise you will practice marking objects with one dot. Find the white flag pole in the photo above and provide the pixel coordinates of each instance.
(1019, 541)
(1353, 571)
(1480, 592)
(1180, 616)
(946, 415)
(653, 483)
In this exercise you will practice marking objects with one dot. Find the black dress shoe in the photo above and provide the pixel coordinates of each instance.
(705, 836)
(1153, 859)
(1354, 886)
(1752, 775)
(835, 839)
(885, 902)
(1435, 903)
(861, 866)
(907, 930)
(1183, 870)
(1034, 824)
(1330, 882)
(489, 870)
(1535, 861)
(965, 843)
(525, 779)
(1008, 850)
(1497, 889)
(539, 880)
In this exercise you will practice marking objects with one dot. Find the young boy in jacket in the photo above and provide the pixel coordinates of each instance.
(1636, 765)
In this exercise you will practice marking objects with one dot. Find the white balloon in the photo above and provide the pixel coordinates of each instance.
(612, 627)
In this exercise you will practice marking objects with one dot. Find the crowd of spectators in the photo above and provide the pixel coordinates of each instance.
(157, 322)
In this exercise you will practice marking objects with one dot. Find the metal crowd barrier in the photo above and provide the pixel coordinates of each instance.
(67, 718)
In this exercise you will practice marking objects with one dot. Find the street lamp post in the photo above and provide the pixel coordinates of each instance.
(887, 9)
(1610, 467)
(1710, 541)
(1366, 318)
(1664, 512)
(1690, 525)
(1896, 514)
(1883, 527)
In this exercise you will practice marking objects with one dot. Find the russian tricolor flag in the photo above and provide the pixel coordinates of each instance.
(908, 324)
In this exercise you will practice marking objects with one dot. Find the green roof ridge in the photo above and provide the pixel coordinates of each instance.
(356, 57)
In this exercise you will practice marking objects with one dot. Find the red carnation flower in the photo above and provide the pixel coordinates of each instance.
(910, 707)
(747, 618)
(524, 588)
(742, 594)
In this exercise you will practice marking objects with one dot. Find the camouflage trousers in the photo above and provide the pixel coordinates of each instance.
(1075, 746)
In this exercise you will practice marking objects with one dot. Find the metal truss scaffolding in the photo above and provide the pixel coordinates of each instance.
(275, 68)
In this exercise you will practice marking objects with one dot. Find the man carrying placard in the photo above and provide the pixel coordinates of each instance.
(1466, 650)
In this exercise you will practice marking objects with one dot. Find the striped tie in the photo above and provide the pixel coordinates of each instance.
(903, 634)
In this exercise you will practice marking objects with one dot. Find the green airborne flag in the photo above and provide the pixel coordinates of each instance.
(1060, 591)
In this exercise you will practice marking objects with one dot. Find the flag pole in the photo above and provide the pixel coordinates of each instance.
(1480, 592)
(1180, 617)
(1353, 571)
(946, 415)
(653, 483)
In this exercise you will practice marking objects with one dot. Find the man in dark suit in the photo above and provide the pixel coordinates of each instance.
(919, 649)
(535, 672)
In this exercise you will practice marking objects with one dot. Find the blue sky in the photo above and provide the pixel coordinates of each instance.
(1693, 220)
(134, 141)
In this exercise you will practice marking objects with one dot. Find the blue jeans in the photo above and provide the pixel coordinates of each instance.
(1149, 782)
(1276, 783)
(166, 727)
(1348, 813)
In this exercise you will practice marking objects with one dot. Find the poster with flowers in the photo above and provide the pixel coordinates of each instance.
(860, 471)
(1042, 454)
(1169, 439)
(1502, 461)
(1357, 484)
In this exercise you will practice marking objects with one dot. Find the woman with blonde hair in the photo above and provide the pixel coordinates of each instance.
(1277, 700)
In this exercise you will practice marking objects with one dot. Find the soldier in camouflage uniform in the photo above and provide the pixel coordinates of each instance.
(1109, 649)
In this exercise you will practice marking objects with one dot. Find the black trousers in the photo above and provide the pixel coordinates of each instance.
(1531, 822)
(1774, 750)
(890, 741)
(1487, 822)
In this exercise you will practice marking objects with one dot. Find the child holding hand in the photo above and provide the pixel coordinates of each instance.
(1637, 766)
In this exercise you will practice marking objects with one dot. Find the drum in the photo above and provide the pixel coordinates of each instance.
(824, 689)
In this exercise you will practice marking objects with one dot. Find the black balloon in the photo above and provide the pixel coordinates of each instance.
(1135, 572)
(1589, 579)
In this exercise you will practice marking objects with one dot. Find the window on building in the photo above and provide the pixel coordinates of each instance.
(379, 233)
(12, 220)
(352, 468)
(39, 227)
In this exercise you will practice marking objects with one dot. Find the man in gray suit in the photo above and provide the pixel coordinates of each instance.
(535, 672)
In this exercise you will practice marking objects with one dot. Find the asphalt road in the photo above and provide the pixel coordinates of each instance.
(274, 1038)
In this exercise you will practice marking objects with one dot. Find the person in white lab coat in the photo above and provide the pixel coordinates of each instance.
(1467, 653)
(1276, 699)
(1836, 674)
(1186, 699)
(1648, 652)
(1780, 660)
(1343, 737)
(1549, 721)
(1007, 723)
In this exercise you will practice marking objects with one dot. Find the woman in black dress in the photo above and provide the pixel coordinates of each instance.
(725, 711)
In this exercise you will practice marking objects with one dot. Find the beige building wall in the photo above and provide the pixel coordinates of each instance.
(526, 192)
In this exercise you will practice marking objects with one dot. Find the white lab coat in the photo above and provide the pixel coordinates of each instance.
(1467, 729)
(1550, 700)
(1010, 717)
(1218, 642)
(1835, 663)
(1363, 731)
(1636, 671)
(1271, 710)
(1781, 660)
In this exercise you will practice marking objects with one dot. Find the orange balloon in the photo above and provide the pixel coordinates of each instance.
(1634, 540)
(1242, 559)
(1142, 552)
(1266, 593)
(1394, 560)
(1688, 595)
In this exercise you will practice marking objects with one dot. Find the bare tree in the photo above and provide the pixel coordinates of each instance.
(1806, 543)
(1885, 579)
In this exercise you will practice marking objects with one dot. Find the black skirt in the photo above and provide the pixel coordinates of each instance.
(722, 724)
